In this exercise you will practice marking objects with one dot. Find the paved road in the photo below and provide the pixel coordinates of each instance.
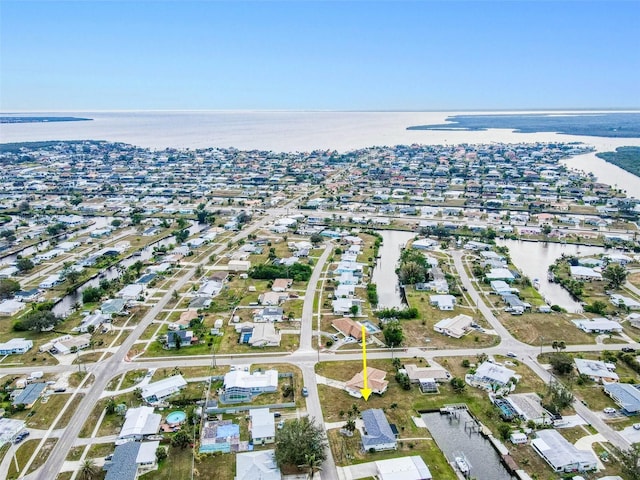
(305, 358)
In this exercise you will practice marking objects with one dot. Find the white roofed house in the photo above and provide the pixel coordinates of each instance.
(131, 292)
(598, 325)
(156, 392)
(16, 346)
(561, 455)
(262, 427)
(269, 314)
(454, 327)
(259, 464)
(140, 422)
(597, 370)
(490, 374)
(622, 301)
(584, 273)
(240, 386)
(443, 302)
(264, 335)
(11, 307)
(94, 320)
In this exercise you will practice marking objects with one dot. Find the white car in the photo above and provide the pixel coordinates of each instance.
(609, 410)
(636, 426)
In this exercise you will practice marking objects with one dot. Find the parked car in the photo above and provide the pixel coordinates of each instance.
(628, 349)
(305, 392)
(609, 410)
(636, 426)
(277, 414)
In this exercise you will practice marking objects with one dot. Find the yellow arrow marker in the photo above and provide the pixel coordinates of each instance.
(366, 391)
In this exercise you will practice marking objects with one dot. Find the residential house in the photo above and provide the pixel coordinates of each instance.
(156, 392)
(597, 370)
(343, 306)
(375, 381)
(92, 321)
(500, 274)
(584, 273)
(241, 386)
(220, 436)
(264, 335)
(416, 374)
(269, 314)
(455, 327)
(9, 428)
(28, 296)
(528, 406)
(348, 327)
(260, 464)
(16, 346)
(239, 265)
(377, 434)
(262, 426)
(29, 395)
(627, 396)
(403, 468)
(114, 306)
(598, 325)
(131, 292)
(11, 307)
(131, 459)
(622, 301)
(71, 344)
(139, 423)
(443, 302)
(281, 284)
(184, 337)
(51, 281)
(562, 455)
(273, 298)
(488, 374)
(501, 287)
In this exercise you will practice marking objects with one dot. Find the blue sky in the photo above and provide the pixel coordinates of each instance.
(359, 55)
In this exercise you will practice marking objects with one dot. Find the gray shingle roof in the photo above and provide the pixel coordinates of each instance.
(377, 428)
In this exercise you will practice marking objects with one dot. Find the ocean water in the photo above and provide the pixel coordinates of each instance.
(290, 131)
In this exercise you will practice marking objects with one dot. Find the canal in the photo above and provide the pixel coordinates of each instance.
(384, 273)
(455, 438)
(533, 260)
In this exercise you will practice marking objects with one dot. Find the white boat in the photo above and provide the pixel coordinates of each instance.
(462, 465)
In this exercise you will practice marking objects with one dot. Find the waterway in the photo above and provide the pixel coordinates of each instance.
(454, 440)
(533, 260)
(384, 273)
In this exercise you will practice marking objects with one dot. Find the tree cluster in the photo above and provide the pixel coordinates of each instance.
(298, 272)
(298, 440)
(37, 320)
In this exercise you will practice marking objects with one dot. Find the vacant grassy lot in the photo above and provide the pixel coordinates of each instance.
(532, 328)
(348, 451)
(180, 464)
(24, 453)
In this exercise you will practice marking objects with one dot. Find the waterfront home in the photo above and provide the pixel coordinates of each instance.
(500, 274)
(489, 374)
(262, 426)
(156, 392)
(626, 396)
(598, 325)
(51, 281)
(375, 381)
(584, 273)
(500, 287)
(455, 327)
(624, 302)
(597, 370)
(377, 434)
(92, 321)
(16, 346)
(561, 455)
(260, 464)
(140, 422)
(131, 292)
(403, 468)
(528, 406)
(241, 386)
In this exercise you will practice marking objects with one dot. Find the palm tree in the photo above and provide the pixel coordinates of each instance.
(312, 465)
(88, 469)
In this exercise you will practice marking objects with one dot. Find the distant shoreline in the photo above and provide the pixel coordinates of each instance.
(7, 119)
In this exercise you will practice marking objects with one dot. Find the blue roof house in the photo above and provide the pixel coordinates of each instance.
(377, 433)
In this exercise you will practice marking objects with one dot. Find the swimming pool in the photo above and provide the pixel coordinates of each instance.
(370, 327)
(507, 411)
(176, 417)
